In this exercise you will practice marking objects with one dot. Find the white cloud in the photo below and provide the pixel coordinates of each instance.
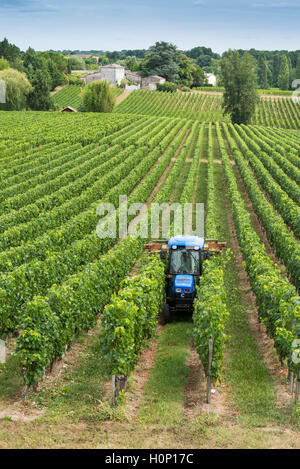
(273, 5)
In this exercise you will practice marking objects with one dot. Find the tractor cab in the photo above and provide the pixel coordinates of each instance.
(185, 256)
(183, 274)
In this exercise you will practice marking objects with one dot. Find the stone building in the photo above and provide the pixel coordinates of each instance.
(113, 73)
(150, 83)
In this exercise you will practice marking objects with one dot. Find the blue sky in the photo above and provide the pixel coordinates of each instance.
(131, 24)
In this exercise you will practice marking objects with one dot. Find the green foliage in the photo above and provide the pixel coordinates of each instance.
(210, 310)
(93, 66)
(199, 77)
(131, 63)
(186, 69)
(74, 79)
(167, 86)
(131, 318)
(39, 98)
(17, 89)
(195, 106)
(4, 65)
(210, 315)
(262, 72)
(50, 323)
(98, 96)
(56, 76)
(9, 51)
(60, 215)
(284, 74)
(68, 96)
(163, 59)
(103, 60)
(44, 75)
(239, 80)
(74, 63)
(277, 299)
(297, 73)
(123, 83)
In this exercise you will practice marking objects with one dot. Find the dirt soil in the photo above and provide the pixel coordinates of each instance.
(57, 89)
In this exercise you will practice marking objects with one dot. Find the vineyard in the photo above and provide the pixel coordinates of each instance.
(280, 112)
(70, 96)
(60, 282)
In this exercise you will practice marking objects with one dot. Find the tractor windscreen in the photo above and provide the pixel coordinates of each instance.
(185, 262)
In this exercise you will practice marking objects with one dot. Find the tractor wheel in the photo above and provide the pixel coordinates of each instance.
(167, 314)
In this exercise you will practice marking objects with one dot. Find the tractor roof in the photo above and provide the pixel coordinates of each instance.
(190, 241)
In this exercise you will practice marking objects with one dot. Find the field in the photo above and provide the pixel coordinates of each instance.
(70, 96)
(76, 309)
(279, 112)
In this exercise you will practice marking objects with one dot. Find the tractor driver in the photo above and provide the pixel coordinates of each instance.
(183, 262)
(186, 263)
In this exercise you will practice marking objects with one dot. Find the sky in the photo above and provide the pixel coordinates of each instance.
(137, 24)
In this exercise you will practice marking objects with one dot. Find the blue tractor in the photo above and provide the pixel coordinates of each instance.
(185, 256)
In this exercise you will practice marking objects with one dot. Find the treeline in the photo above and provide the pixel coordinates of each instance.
(275, 69)
(30, 76)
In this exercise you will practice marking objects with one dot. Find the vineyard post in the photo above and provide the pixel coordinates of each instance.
(297, 386)
(291, 383)
(118, 385)
(210, 353)
(113, 388)
(291, 374)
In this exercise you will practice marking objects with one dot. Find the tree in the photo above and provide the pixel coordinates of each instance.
(9, 51)
(199, 77)
(239, 80)
(60, 61)
(74, 63)
(39, 99)
(3, 64)
(185, 71)
(163, 59)
(167, 87)
(204, 57)
(17, 89)
(276, 65)
(297, 77)
(44, 76)
(284, 74)
(56, 76)
(32, 60)
(130, 63)
(98, 96)
(262, 72)
(103, 60)
(113, 56)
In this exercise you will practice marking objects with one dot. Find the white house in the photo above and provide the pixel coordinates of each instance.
(211, 78)
(113, 73)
